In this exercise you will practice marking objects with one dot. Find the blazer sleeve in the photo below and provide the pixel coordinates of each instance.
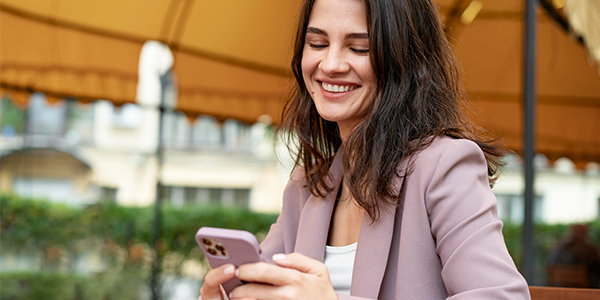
(281, 237)
(273, 242)
(464, 222)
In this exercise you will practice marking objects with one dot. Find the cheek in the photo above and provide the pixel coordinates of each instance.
(305, 74)
(307, 66)
(369, 82)
(365, 71)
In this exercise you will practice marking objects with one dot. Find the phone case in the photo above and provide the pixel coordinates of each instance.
(222, 246)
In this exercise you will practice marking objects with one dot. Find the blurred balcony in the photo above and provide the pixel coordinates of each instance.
(62, 125)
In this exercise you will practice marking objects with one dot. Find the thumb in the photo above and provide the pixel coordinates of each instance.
(301, 263)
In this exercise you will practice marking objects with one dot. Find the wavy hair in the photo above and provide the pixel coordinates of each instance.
(420, 94)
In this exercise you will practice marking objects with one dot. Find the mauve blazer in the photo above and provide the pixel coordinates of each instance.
(444, 242)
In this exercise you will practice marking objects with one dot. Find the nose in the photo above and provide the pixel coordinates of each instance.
(334, 61)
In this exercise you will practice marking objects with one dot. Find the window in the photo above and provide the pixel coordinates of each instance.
(45, 118)
(108, 194)
(165, 193)
(70, 118)
(511, 208)
(53, 189)
(228, 197)
(598, 213)
(206, 133)
(190, 195)
(176, 130)
(214, 196)
(80, 123)
(236, 136)
(241, 198)
(128, 116)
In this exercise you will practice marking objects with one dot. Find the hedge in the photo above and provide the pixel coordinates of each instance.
(123, 285)
(35, 225)
(38, 224)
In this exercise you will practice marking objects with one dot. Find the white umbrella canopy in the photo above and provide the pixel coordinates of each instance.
(232, 61)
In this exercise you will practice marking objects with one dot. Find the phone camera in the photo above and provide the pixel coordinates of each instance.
(214, 247)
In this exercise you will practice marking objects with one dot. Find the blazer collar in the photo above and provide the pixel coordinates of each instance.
(374, 241)
(372, 253)
(313, 226)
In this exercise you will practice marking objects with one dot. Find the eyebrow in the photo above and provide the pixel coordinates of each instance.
(348, 36)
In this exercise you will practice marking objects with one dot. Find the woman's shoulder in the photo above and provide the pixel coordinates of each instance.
(447, 147)
(445, 151)
(296, 188)
(297, 179)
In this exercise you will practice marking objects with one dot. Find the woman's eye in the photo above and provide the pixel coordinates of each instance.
(360, 51)
(315, 46)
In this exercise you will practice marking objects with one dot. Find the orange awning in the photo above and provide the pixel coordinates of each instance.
(568, 84)
(232, 60)
(231, 57)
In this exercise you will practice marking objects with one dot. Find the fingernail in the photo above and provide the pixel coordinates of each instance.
(237, 273)
(230, 295)
(278, 256)
(229, 270)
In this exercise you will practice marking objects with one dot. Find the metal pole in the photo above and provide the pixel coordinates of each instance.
(155, 285)
(156, 227)
(529, 102)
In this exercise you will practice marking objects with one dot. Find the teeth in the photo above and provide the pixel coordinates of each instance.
(336, 88)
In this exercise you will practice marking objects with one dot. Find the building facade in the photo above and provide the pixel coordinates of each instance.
(80, 154)
(83, 153)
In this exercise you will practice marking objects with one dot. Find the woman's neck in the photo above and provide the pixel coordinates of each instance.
(346, 219)
(345, 130)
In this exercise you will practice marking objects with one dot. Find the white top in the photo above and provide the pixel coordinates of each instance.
(340, 262)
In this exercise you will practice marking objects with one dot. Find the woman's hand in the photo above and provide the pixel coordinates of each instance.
(211, 289)
(298, 277)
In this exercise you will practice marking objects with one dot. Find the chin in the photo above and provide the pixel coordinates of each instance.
(330, 116)
(333, 118)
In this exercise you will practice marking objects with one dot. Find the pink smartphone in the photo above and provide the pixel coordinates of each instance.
(223, 246)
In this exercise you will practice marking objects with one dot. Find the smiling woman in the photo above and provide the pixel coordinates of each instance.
(391, 195)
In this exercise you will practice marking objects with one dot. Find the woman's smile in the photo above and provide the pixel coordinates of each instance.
(336, 66)
(335, 90)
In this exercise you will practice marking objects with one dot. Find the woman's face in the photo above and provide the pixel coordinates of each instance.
(335, 62)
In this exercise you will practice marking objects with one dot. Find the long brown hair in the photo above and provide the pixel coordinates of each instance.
(419, 95)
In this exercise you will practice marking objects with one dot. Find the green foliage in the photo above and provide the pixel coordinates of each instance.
(546, 237)
(180, 225)
(38, 224)
(63, 286)
(11, 116)
(35, 224)
(37, 286)
(32, 225)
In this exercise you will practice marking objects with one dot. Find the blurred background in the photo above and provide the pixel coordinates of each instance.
(125, 125)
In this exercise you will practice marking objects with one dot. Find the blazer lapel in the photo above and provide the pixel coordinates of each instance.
(372, 253)
(374, 241)
(313, 226)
